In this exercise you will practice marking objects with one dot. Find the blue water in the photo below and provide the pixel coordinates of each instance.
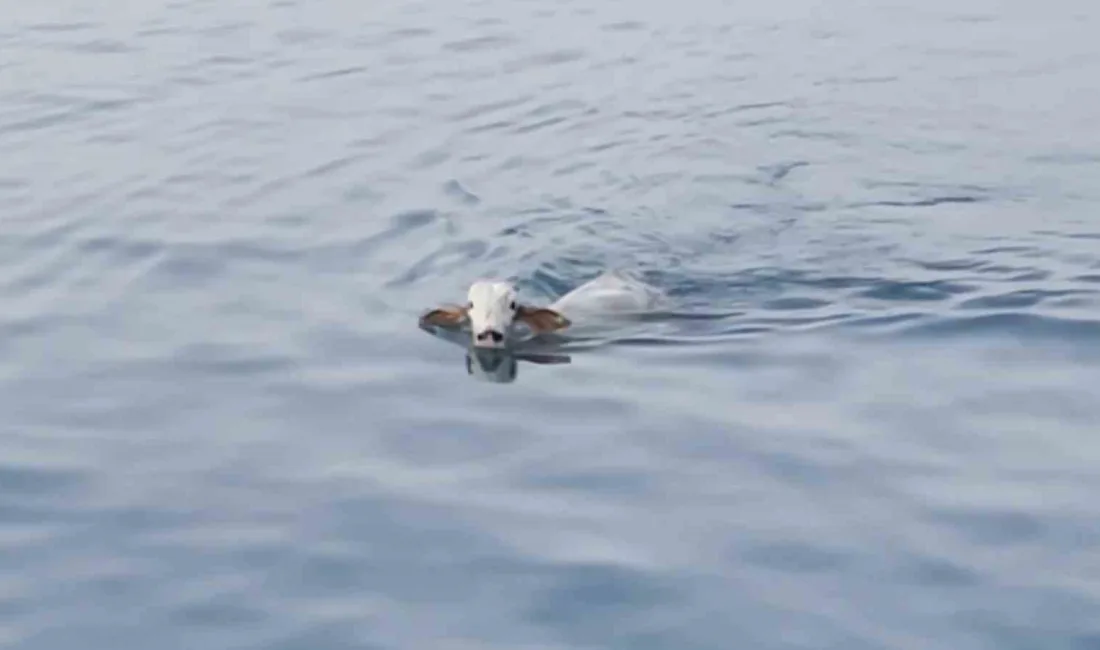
(871, 421)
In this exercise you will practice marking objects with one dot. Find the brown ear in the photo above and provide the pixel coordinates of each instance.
(446, 316)
(541, 320)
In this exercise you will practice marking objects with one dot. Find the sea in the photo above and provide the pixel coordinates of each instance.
(870, 420)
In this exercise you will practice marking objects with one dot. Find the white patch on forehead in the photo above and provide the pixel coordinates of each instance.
(486, 292)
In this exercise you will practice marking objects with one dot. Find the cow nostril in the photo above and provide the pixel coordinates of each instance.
(496, 336)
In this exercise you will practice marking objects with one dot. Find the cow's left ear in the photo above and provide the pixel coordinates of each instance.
(541, 319)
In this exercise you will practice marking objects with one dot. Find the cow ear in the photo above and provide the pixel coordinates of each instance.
(445, 316)
(541, 319)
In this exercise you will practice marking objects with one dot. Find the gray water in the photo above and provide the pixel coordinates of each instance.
(870, 422)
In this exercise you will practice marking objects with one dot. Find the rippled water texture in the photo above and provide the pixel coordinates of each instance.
(870, 421)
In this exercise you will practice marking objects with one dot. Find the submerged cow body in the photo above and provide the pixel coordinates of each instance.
(497, 319)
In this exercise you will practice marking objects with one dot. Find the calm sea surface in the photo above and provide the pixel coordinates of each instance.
(872, 420)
